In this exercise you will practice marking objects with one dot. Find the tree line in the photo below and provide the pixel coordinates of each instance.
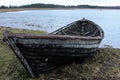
(41, 5)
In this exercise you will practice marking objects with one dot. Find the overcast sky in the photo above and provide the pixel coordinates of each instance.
(62, 2)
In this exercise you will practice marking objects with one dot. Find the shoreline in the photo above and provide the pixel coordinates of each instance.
(23, 9)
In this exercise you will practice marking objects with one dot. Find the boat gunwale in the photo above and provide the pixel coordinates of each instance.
(29, 36)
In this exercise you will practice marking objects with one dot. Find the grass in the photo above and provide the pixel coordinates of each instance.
(104, 65)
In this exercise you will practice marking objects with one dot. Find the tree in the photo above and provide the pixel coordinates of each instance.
(3, 7)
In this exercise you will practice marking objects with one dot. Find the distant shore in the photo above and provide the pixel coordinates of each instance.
(22, 9)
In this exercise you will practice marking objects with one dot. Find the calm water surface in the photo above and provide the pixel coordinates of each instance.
(50, 20)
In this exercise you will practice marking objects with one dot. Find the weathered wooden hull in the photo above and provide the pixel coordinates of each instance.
(39, 53)
(58, 47)
(55, 44)
(33, 51)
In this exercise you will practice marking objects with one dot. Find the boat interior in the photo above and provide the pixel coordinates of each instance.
(79, 28)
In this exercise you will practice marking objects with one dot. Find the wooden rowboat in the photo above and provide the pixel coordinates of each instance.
(39, 53)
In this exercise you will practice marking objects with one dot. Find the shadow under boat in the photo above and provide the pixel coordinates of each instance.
(42, 53)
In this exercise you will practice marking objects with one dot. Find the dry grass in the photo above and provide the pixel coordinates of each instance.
(15, 30)
(104, 65)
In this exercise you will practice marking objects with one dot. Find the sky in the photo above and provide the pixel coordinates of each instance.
(62, 2)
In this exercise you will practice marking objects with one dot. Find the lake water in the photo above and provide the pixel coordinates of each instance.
(50, 20)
